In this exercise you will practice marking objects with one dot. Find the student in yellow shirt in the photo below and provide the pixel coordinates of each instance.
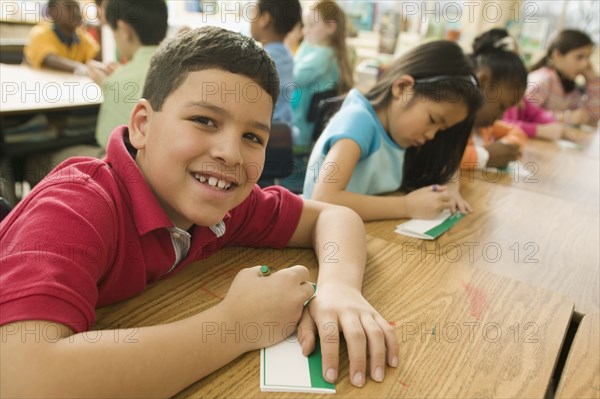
(62, 45)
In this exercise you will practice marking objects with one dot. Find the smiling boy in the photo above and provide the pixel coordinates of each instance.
(176, 185)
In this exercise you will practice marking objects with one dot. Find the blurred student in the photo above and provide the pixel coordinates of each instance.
(274, 20)
(503, 78)
(63, 44)
(294, 38)
(138, 30)
(321, 63)
(552, 82)
(178, 183)
(407, 133)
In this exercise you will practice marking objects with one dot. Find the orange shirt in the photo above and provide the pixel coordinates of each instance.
(510, 134)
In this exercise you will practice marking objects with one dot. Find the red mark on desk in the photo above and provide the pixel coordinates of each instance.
(478, 300)
(404, 384)
(392, 323)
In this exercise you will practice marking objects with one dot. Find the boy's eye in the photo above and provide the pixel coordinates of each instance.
(204, 121)
(254, 138)
(431, 120)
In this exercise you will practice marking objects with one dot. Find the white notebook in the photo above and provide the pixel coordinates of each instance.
(283, 368)
(429, 229)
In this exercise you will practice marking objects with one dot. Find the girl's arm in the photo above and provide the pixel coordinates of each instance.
(344, 154)
(46, 359)
(338, 237)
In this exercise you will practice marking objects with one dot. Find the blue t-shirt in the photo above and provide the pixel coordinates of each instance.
(379, 168)
(284, 62)
(315, 70)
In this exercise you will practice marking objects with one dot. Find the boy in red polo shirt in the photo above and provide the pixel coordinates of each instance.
(175, 186)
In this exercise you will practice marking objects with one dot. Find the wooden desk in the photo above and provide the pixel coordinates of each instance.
(538, 239)
(564, 173)
(25, 90)
(493, 337)
(581, 375)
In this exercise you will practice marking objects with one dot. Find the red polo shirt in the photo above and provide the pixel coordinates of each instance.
(92, 233)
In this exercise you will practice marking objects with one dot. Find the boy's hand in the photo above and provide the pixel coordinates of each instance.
(427, 202)
(273, 303)
(337, 309)
(98, 71)
(501, 154)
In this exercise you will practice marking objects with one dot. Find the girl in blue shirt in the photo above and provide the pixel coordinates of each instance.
(408, 132)
(321, 63)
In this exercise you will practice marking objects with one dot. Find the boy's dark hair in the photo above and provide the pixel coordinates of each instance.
(491, 50)
(285, 14)
(207, 48)
(442, 73)
(148, 18)
(567, 40)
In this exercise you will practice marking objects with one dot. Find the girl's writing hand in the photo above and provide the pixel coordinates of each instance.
(425, 203)
(274, 303)
(501, 154)
(337, 309)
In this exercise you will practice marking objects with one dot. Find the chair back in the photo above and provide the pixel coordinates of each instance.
(5, 208)
(279, 157)
(326, 108)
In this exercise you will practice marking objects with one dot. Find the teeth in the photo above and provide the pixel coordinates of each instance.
(213, 181)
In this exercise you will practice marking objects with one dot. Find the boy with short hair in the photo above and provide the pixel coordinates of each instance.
(175, 186)
(138, 29)
(62, 45)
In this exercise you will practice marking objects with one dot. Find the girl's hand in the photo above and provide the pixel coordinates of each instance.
(427, 202)
(501, 154)
(273, 303)
(339, 308)
(589, 73)
(459, 203)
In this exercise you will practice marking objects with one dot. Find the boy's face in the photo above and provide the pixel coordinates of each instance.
(203, 152)
(66, 14)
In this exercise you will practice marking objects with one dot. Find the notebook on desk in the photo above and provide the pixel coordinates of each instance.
(429, 229)
(283, 368)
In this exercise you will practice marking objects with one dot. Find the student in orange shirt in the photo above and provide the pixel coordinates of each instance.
(503, 79)
(62, 45)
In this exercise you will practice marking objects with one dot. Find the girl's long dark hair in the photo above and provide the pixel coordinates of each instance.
(442, 73)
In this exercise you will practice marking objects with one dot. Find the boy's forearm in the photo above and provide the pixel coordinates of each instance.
(61, 63)
(340, 246)
(156, 361)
